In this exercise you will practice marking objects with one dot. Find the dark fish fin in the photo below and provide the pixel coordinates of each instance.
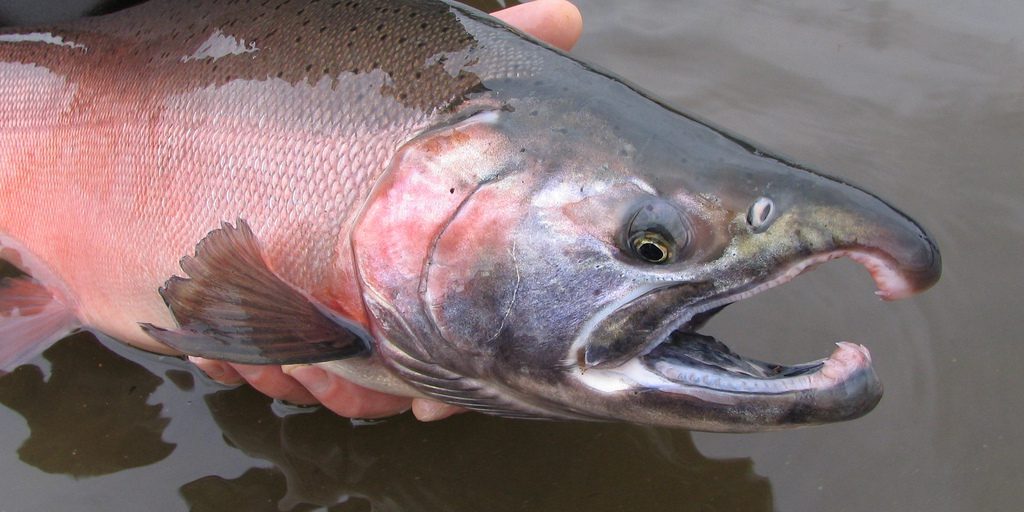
(31, 319)
(234, 308)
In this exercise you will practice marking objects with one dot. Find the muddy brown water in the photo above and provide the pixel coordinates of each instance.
(919, 102)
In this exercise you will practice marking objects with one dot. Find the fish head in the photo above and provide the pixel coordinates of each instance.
(557, 259)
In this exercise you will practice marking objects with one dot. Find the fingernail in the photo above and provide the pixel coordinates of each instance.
(215, 371)
(429, 410)
(248, 371)
(312, 378)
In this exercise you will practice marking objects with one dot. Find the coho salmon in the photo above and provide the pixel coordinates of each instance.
(415, 196)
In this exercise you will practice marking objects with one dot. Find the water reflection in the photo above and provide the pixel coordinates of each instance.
(90, 416)
(468, 463)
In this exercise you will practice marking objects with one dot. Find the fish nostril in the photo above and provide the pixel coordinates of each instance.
(761, 214)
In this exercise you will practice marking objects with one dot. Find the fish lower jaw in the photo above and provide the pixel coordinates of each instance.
(699, 396)
(845, 362)
(659, 370)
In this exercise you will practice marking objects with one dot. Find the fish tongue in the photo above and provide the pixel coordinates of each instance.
(695, 349)
(704, 350)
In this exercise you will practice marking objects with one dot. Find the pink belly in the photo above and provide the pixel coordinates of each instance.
(110, 179)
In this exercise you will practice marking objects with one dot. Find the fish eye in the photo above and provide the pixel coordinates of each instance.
(657, 233)
(651, 247)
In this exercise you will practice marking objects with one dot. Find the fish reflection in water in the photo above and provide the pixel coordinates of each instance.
(95, 412)
(463, 464)
(90, 415)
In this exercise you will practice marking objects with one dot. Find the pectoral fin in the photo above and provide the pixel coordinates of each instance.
(233, 307)
(31, 319)
(33, 311)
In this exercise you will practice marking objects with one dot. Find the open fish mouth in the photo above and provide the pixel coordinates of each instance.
(735, 393)
(698, 360)
(687, 356)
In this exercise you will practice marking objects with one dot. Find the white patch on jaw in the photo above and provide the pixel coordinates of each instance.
(631, 374)
(40, 37)
(634, 375)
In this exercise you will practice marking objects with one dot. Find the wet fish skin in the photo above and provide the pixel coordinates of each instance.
(420, 178)
(178, 98)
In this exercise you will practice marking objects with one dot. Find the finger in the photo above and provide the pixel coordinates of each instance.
(271, 381)
(556, 22)
(218, 370)
(431, 410)
(345, 398)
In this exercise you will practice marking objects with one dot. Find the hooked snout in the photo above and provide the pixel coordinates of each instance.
(821, 219)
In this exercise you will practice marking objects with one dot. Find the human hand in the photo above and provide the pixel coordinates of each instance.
(556, 22)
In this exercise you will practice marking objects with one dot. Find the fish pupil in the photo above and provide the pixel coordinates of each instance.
(650, 251)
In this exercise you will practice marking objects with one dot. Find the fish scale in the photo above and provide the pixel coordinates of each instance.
(175, 116)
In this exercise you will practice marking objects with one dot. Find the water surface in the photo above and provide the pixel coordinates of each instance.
(919, 102)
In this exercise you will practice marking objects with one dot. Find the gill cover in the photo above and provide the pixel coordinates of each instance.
(434, 180)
